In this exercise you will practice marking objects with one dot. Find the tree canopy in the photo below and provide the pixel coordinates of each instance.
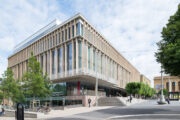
(11, 88)
(36, 84)
(169, 47)
(139, 88)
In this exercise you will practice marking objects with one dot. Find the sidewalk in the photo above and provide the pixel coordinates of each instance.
(62, 113)
(72, 111)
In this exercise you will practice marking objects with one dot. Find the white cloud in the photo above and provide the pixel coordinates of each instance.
(132, 26)
(20, 19)
(7, 43)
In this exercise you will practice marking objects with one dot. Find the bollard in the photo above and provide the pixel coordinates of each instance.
(20, 112)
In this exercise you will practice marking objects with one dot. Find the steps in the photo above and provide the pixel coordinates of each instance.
(110, 101)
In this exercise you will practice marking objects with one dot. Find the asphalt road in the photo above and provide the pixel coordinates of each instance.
(146, 111)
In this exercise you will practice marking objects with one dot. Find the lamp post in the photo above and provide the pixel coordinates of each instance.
(96, 90)
(162, 100)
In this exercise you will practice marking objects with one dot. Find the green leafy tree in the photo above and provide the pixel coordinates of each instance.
(11, 88)
(36, 84)
(169, 47)
(165, 92)
(139, 88)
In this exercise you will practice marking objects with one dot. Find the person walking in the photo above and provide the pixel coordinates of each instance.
(89, 102)
(130, 98)
(168, 101)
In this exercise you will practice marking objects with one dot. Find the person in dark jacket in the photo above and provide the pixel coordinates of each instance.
(89, 102)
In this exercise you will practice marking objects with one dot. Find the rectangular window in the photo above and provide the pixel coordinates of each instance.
(62, 35)
(42, 63)
(59, 60)
(97, 62)
(69, 33)
(63, 58)
(89, 57)
(53, 41)
(50, 42)
(43, 45)
(81, 30)
(53, 61)
(46, 63)
(80, 54)
(56, 39)
(69, 56)
(59, 38)
(94, 61)
(78, 28)
(65, 34)
(72, 30)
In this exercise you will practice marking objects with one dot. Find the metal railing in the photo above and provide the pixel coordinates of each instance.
(83, 71)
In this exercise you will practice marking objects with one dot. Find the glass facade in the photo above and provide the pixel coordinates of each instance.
(74, 54)
(69, 56)
(81, 30)
(53, 41)
(62, 35)
(63, 58)
(42, 63)
(46, 63)
(56, 39)
(50, 42)
(59, 38)
(65, 34)
(78, 28)
(53, 61)
(69, 33)
(59, 57)
(72, 30)
(89, 57)
(80, 54)
(97, 59)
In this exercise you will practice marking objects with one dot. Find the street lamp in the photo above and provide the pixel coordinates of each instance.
(162, 100)
(96, 90)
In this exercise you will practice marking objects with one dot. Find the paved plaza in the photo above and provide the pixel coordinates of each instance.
(146, 110)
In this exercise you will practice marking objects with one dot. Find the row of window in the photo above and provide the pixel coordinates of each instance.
(61, 58)
(48, 42)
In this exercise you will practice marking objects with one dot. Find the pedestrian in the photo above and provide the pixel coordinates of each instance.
(89, 102)
(130, 98)
(168, 101)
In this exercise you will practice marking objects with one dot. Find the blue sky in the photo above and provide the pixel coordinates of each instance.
(132, 26)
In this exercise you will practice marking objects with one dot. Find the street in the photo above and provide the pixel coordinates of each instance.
(147, 110)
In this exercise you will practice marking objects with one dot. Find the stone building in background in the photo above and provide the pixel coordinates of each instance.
(171, 83)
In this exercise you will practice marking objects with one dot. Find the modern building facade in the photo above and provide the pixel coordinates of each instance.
(145, 80)
(171, 83)
(75, 54)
